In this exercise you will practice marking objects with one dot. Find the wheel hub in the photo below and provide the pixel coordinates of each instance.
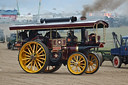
(56, 55)
(76, 63)
(33, 56)
(116, 61)
(90, 63)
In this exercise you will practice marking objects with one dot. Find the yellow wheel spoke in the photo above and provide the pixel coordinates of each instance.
(30, 47)
(92, 58)
(29, 64)
(39, 64)
(36, 65)
(75, 58)
(89, 68)
(41, 55)
(76, 69)
(72, 63)
(82, 64)
(88, 57)
(42, 58)
(96, 62)
(36, 47)
(33, 49)
(27, 56)
(29, 51)
(26, 59)
(38, 50)
(81, 67)
(92, 67)
(72, 66)
(26, 52)
(92, 63)
(40, 61)
(88, 64)
(79, 59)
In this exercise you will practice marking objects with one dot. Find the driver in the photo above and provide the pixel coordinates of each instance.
(71, 39)
(92, 37)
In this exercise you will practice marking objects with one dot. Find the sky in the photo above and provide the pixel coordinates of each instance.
(56, 6)
(31, 6)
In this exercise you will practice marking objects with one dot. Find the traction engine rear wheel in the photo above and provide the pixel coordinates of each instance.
(33, 57)
(51, 69)
(77, 63)
(93, 63)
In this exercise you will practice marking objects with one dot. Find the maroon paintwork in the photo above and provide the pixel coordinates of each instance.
(87, 24)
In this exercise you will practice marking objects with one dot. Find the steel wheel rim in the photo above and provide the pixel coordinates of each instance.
(76, 63)
(32, 57)
(92, 63)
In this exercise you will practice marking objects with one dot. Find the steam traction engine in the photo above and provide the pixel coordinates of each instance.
(46, 53)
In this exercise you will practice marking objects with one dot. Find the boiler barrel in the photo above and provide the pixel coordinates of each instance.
(77, 48)
(72, 19)
(82, 48)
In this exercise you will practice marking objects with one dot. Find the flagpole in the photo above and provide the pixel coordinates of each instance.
(18, 7)
(39, 8)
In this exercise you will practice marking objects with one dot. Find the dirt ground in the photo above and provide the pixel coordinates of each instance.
(12, 74)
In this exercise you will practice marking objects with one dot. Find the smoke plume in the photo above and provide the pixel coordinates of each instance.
(100, 5)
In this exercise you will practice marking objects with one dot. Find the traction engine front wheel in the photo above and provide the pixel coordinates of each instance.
(33, 57)
(77, 63)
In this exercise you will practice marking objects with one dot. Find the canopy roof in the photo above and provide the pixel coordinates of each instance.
(62, 26)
